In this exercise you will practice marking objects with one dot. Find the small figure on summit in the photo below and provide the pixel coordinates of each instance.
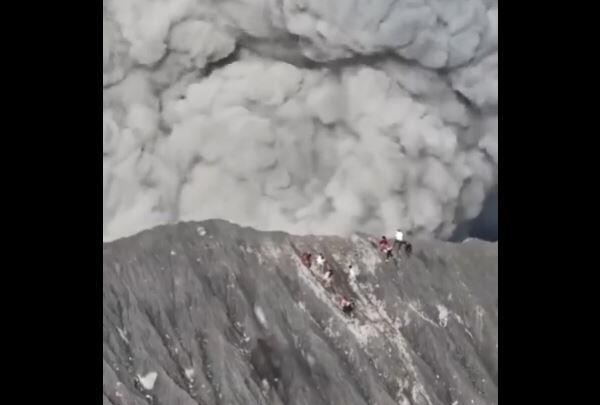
(399, 242)
(385, 247)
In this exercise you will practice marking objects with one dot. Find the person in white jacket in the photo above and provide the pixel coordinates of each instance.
(320, 260)
(399, 242)
(328, 278)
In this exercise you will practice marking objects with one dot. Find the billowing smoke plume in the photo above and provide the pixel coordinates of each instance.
(310, 116)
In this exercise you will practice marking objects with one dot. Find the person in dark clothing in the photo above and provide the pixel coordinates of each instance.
(347, 305)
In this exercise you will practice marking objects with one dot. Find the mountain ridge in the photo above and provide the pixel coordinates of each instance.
(224, 314)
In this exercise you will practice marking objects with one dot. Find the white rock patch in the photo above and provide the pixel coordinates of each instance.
(148, 380)
(260, 315)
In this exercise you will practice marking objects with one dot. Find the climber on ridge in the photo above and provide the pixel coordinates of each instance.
(351, 272)
(347, 305)
(328, 278)
(399, 242)
(385, 247)
(320, 260)
(306, 259)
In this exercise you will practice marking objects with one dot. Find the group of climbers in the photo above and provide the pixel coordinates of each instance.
(307, 260)
(386, 247)
(322, 267)
(325, 271)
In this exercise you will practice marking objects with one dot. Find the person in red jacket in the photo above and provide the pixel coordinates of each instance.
(385, 247)
(306, 259)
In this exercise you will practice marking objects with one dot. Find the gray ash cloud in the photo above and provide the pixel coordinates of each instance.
(306, 116)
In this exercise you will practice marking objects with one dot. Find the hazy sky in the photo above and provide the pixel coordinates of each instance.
(309, 116)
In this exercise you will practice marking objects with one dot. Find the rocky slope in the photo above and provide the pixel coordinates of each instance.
(213, 313)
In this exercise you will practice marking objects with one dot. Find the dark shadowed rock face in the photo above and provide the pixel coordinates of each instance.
(212, 313)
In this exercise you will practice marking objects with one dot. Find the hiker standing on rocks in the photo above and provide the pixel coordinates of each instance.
(347, 305)
(326, 273)
(320, 260)
(399, 242)
(385, 247)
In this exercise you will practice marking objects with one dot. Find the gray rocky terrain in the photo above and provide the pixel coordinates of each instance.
(213, 313)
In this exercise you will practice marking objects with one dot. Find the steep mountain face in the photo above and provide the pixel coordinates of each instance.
(213, 313)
